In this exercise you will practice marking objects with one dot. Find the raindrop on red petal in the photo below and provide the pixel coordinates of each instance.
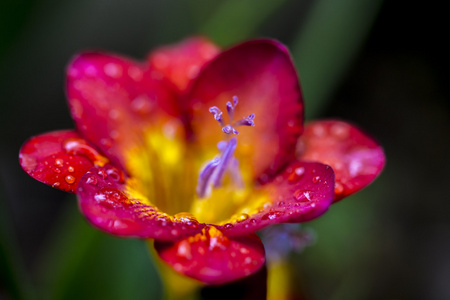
(296, 174)
(69, 179)
(59, 162)
(91, 180)
(272, 215)
(316, 179)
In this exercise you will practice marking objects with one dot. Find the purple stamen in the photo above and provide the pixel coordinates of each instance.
(229, 130)
(217, 113)
(235, 100)
(248, 121)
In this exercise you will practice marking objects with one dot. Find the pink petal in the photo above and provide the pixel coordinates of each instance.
(303, 192)
(261, 74)
(112, 99)
(181, 63)
(103, 199)
(213, 258)
(59, 158)
(354, 156)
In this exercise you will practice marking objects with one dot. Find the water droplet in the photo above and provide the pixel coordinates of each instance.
(102, 173)
(113, 70)
(69, 179)
(59, 162)
(57, 170)
(244, 250)
(316, 179)
(71, 169)
(56, 184)
(228, 226)
(184, 249)
(142, 104)
(340, 130)
(116, 174)
(338, 188)
(272, 215)
(242, 217)
(319, 130)
(185, 217)
(135, 73)
(302, 195)
(296, 174)
(92, 180)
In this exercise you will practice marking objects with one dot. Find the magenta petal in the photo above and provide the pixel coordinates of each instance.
(261, 74)
(355, 157)
(113, 99)
(302, 192)
(59, 158)
(103, 200)
(213, 258)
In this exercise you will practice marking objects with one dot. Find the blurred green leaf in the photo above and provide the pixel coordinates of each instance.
(235, 20)
(327, 44)
(84, 263)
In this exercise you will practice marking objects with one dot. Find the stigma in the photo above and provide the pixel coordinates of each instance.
(212, 174)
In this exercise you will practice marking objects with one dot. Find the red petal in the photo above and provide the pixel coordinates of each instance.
(354, 156)
(181, 63)
(112, 99)
(213, 258)
(262, 75)
(304, 191)
(104, 201)
(59, 159)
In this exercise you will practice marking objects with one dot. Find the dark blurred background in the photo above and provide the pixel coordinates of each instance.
(380, 64)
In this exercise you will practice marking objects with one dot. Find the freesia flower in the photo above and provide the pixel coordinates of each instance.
(198, 149)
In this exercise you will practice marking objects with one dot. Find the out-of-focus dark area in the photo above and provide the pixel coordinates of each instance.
(381, 65)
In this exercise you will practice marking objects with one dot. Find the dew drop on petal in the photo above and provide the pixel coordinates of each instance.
(338, 188)
(69, 179)
(184, 250)
(102, 173)
(302, 195)
(228, 226)
(59, 162)
(71, 169)
(242, 217)
(296, 174)
(57, 170)
(56, 184)
(113, 70)
(316, 179)
(91, 180)
(272, 215)
(319, 130)
(340, 131)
